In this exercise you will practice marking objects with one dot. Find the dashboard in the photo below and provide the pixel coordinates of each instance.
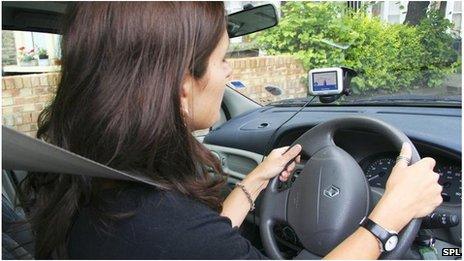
(252, 130)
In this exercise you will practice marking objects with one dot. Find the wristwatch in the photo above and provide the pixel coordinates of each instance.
(387, 239)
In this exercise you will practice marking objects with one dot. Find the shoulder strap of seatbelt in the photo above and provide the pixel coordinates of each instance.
(21, 152)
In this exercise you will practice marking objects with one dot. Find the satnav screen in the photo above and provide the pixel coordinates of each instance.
(325, 81)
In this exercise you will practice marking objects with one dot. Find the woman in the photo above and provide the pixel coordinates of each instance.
(137, 79)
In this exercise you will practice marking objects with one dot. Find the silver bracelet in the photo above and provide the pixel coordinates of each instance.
(248, 195)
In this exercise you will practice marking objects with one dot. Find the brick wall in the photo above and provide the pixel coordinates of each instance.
(258, 72)
(8, 48)
(24, 97)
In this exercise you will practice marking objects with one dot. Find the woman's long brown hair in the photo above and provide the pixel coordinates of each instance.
(118, 103)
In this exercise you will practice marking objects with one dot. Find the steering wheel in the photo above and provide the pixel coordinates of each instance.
(327, 201)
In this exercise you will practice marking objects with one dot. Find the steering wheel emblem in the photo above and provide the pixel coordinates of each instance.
(331, 191)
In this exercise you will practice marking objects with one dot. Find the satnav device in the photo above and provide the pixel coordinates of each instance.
(326, 81)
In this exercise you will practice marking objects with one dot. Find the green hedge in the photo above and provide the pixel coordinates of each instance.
(390, 57)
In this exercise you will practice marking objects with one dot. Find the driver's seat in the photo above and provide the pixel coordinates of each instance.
(17, 239)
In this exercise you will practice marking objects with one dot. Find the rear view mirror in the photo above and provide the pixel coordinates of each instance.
(251, 20)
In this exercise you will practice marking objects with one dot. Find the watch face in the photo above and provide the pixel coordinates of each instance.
(391, 243)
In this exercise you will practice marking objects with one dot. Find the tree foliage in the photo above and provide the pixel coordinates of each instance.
(387, 56)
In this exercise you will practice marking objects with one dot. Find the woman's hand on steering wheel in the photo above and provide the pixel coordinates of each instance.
(411, 192)
(276, 163)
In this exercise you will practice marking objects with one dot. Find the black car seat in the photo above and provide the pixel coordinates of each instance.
(17, 239)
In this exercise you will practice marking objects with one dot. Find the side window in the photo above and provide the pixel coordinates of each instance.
(30, 75)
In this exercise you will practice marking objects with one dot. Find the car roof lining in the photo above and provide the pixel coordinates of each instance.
(33, 16)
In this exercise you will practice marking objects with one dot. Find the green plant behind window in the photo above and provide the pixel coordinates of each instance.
(389, 57)
(43, 54)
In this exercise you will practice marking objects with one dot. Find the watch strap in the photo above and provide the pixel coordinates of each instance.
(379, 232)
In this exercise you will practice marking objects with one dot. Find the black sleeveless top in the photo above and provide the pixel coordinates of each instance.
(164, 225)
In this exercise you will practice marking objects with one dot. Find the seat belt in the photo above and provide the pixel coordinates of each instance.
(21, 152)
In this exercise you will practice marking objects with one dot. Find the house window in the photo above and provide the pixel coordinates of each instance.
(457, 16)
(394, 13)
(36, 41)
(30, 52)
